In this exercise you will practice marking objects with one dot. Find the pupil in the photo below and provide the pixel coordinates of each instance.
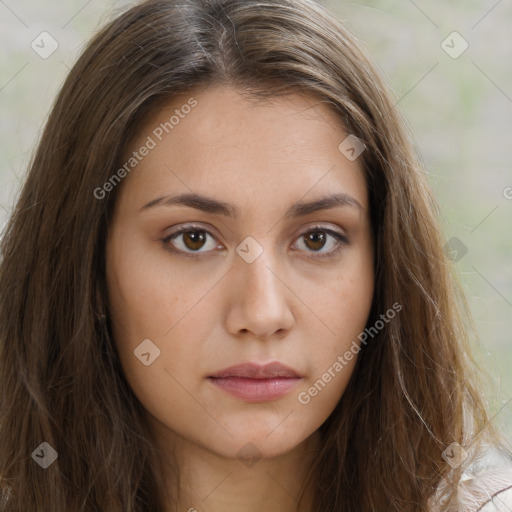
(196, 239)
(316, 237)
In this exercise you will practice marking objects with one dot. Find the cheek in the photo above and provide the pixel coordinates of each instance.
(333, 358)
(149, 296)
(164, 313)
(342, 307)
(344, 299)
(149, 307)
(152, 299)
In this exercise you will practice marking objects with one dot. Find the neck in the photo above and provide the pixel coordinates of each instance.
(209, 482)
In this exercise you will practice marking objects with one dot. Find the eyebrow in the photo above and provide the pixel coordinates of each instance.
(214, 206)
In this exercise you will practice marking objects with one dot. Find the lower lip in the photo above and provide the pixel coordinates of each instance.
(256, 390)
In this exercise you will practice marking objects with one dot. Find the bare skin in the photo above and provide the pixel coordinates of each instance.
(217, 310)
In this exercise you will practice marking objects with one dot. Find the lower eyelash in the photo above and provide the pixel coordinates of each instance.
(194, 255)
(343, 241)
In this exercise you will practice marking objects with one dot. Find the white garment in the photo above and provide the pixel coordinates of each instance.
(486, 486)
(501, 502)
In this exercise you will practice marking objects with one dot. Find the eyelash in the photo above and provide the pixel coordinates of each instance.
(342, 241)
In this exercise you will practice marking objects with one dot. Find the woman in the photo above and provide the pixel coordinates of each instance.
(223, 284)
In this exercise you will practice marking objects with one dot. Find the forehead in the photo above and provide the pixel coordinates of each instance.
(227, 142)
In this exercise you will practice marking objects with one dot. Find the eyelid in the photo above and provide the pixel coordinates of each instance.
(184, 229)
(192, 227)
(324, 227)
(337, 233)
(342, 241)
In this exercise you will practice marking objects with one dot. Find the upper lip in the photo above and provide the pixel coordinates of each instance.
(258, 371)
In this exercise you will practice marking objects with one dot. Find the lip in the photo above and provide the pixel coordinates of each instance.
(254, 382)
(258, 371)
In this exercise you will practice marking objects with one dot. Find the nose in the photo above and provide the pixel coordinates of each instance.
(259, 299)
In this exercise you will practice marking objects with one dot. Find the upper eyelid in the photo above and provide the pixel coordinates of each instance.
(196, 227)
(211, 231)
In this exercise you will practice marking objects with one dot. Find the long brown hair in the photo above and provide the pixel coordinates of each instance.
(410, 395)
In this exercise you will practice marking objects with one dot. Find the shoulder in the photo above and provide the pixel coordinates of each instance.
(487, 486)
(500, 502)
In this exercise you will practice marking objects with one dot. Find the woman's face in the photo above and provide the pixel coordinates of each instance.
(269, 269)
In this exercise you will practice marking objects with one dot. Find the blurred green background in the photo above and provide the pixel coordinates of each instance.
(459, 110)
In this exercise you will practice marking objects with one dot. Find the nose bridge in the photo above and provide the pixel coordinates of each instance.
(261, 299)
(257, 262)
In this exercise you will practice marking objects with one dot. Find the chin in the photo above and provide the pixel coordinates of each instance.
(253, 446)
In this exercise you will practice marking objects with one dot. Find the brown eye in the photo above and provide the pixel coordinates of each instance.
(190, 241)
(194, 240)
(315, 240)
(318, 238)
